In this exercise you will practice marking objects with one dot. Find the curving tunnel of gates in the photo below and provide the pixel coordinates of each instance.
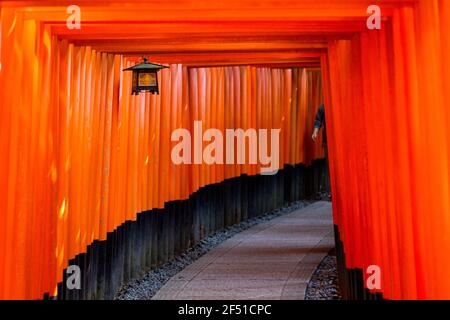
(87, 175)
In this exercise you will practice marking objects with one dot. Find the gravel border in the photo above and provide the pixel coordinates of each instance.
(144, 288)
(324, 284)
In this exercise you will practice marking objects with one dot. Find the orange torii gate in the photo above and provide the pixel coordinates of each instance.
(81, 156)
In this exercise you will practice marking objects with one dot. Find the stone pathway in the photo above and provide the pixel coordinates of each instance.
(273, 260)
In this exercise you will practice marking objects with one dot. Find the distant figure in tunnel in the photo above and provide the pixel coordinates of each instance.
(319, 122)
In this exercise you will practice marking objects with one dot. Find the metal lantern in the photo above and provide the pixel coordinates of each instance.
(145, 77)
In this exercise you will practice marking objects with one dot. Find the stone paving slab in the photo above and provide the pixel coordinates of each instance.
(270, 261)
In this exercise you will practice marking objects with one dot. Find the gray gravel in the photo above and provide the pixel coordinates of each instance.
(324, 283)
(146, 287)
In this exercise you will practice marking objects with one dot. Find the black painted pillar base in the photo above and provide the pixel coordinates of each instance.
(159, 235)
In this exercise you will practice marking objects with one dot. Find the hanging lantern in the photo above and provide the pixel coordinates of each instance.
(145, 77)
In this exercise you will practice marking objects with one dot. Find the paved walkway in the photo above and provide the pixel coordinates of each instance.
(273, 260)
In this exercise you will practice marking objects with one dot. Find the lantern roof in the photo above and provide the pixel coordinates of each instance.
(146, 65)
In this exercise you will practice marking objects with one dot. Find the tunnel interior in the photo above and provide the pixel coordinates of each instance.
(88, 170)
